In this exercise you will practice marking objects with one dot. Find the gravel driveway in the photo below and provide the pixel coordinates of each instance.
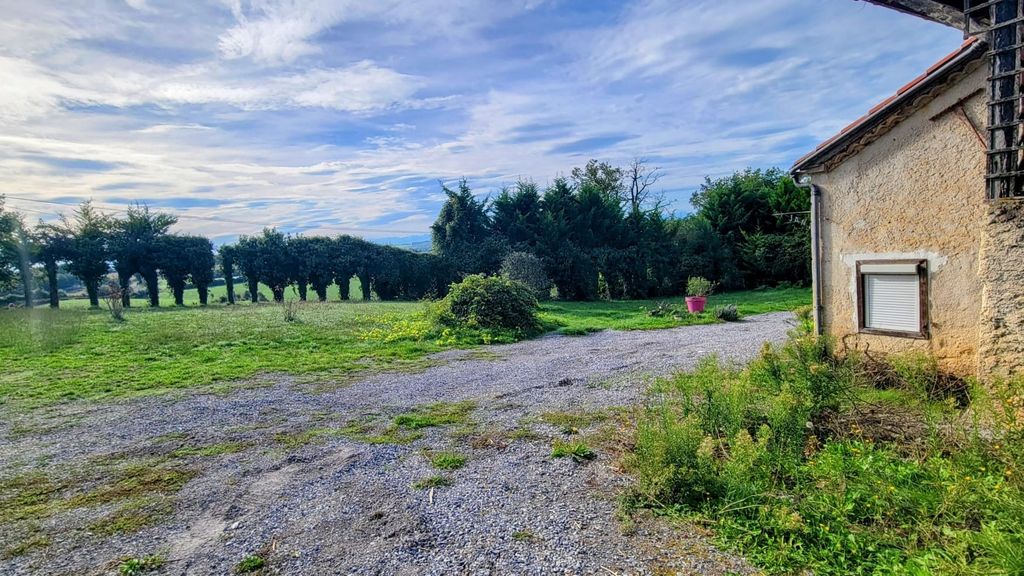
(318, 478)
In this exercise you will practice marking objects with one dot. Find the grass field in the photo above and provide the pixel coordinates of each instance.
(52, 356)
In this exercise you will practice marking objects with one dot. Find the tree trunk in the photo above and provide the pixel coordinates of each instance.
(254, 291)
(204, 294)
(153, 287)
(344, 286)
(229, 284)
(278, 293)
(179, 294)
(26, 280)
(92, 288)
(321, 293)
(364, 284)
(124, 280)
(303, 290)
(51, 279)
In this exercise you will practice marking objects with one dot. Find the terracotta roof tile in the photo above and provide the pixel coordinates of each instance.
(878, 108)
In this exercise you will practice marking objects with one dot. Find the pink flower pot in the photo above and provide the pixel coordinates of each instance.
(695, 304)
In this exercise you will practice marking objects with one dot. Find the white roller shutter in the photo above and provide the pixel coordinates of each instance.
(892, 302)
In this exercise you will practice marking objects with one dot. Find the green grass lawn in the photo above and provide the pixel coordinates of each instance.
(583, 317)
(52, 356)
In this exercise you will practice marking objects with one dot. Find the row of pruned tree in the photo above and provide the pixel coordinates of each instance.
(316, 262)
(90, 245)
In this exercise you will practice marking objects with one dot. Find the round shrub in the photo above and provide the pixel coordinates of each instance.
(528, 269)
(491, 303)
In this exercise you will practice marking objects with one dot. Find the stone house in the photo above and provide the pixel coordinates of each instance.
(912, 251)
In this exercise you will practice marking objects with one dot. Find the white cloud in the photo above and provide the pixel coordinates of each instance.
(31, 91)
(278, 31)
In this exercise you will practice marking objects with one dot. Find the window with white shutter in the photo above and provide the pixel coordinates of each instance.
(893, 297)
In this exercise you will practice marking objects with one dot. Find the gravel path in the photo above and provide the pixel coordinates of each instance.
(290, 470)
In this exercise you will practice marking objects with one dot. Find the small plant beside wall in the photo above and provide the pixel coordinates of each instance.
(698, 288)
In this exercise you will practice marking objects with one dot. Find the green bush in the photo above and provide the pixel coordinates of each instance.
(528, 269)
(489, 303)
(744, 449)
(727, 313)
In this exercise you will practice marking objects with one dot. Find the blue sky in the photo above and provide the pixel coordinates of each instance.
(329, 116)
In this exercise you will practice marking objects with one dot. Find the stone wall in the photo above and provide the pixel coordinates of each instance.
(1001, 351)
(915, 192)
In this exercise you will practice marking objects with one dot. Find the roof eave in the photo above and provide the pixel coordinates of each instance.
(816, 159)
(947, 13)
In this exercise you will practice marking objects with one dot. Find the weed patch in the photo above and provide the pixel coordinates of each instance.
(757, 453)
(437, 414)
(578, 451)
(447, 460)
(250, 564)
(573, 422)
(436, 481)
(137, 566)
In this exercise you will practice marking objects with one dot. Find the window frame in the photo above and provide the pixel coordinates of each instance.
(923, 333)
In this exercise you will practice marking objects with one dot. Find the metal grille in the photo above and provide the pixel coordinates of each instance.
(1003, 22)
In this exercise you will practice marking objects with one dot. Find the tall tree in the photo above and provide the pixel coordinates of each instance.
(461, 234)
(90, 231)
(54, 244)
(134, 248)
(227, 266)
(515, 216)
(320, 265)
(273, 263)
(201, 263)
(246, 253)
(25, 248)
(349, 257)
(174, 265)
(9, 258)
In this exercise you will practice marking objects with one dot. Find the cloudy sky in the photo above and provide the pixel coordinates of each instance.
(329, 116)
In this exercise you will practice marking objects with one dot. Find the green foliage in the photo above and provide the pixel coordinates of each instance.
(523, 535)
(745, 449)
(54, 246)
(699, 286)
(764, 218)
(462, 235)
(527, 269)
(89, 251)
(516, 216)
(489, 303)
(447, 460)
(137, 566)
(726, 313)
(265, 258)
(136, 247)
(575, 449)
(437, 414)
(9, 259)
(572, 422)
(250, 564)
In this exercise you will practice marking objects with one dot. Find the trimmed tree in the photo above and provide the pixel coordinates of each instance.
(227, 266)
(54, 244)
(90, 232)
(134, 247)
